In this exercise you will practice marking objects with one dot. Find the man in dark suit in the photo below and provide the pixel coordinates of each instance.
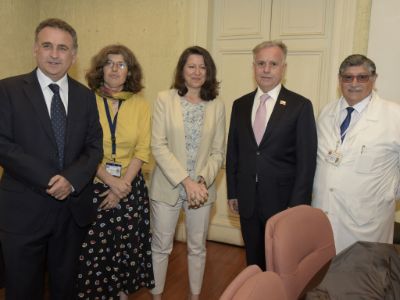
(50, 146)
(271, 153)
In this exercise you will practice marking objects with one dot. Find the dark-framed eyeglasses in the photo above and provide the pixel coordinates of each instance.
(362, 78)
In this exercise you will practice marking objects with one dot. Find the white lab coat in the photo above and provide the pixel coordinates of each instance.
(359, 193)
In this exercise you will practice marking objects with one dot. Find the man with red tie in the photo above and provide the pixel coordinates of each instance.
(271, 153)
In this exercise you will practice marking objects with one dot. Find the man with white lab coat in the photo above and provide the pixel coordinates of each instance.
(358, 163)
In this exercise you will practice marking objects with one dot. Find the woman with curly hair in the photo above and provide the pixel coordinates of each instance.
(116, 256)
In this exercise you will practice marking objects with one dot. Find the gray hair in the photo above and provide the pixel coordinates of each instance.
(268, 44)
(357, 60)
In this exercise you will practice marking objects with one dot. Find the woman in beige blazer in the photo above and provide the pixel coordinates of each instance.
(188, 138)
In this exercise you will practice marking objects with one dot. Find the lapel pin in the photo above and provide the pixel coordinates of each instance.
(282, 102)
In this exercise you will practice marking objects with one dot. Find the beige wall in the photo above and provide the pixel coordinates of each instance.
(360, 44)
(18, 19)
(16, 37)
(384, 51)
(154, 30)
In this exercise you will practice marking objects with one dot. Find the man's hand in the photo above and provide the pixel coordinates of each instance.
(59, 187)
(233, 205)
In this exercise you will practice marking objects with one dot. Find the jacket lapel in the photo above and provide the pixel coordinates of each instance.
(279, 109)
(246, 113)
(34, 93)
(371, 116)
(334, 122)
(178, 115)
(73, 107)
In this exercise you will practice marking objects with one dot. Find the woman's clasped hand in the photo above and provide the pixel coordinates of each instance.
(197, 193)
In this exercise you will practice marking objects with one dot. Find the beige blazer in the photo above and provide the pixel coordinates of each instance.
(169, 150)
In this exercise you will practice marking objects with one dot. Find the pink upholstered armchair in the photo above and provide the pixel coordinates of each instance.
(254, 284)
(299, 246)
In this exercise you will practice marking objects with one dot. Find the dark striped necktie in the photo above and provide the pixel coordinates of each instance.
(346, 122)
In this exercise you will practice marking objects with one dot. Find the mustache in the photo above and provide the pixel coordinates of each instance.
(355, 89)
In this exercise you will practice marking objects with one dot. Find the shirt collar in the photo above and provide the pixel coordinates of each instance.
(274, 93)
(44, 81)
(359, 107)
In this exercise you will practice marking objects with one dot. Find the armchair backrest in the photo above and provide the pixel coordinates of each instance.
(299, 243)
(254, 284)
(262, 286)
(238, 281)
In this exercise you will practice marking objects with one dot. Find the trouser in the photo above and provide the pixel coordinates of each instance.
(164, 219)
(56, 244)
(253, 232)
(2, 275)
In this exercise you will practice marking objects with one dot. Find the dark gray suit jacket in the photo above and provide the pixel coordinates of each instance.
(284, 161)
(29, 157)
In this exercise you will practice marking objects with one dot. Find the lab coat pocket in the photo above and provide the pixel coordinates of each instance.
(366, 161)
(361, 210)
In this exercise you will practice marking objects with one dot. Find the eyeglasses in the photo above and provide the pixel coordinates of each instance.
(120, 65)
(362, 78)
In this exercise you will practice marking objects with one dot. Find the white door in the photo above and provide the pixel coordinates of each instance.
(318, 34)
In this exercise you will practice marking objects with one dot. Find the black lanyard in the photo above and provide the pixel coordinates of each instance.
(113, 126)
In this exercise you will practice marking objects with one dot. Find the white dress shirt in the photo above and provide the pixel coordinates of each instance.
(270, 103)
(356, 114)
(44, 82)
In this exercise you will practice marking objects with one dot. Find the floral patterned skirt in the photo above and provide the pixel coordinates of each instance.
(116, 253)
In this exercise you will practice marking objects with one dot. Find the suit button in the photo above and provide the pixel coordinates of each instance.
(258, 153)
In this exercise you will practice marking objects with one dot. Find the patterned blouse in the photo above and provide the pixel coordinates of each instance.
(193, 117)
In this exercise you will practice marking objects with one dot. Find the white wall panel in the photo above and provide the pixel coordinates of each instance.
(241, 21)
(304, 73)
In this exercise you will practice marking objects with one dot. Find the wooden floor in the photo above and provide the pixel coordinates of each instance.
(224, 262)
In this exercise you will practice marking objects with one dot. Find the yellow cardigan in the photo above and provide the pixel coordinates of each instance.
(132, 132)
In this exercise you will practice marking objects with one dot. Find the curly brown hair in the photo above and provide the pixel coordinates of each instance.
(209, 90)
(95, 75)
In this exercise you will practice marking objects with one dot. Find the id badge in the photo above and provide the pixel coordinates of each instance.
(333, 157)
(114, 169)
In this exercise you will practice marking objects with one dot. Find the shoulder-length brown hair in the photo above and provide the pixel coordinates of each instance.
(209, 90)
(95, 75)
